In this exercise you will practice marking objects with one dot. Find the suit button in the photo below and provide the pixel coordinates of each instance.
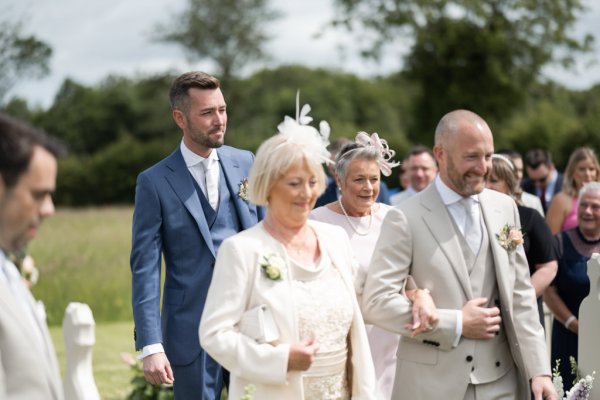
(469, 358)
(472, 369)
(497, 363)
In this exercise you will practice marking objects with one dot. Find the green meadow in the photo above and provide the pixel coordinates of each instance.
(83, 256)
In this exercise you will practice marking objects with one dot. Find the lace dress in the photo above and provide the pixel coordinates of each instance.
(324, 311)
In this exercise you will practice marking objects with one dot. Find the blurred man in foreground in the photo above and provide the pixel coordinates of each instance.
(28, 367)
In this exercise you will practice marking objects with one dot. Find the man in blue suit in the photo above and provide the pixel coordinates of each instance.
(185, 206)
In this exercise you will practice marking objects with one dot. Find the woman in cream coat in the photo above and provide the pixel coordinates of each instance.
(301, 273)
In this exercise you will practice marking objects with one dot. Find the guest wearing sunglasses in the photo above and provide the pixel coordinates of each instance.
(543, 180)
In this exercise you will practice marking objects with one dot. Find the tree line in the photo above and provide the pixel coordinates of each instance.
(482, 55)
(121, 126)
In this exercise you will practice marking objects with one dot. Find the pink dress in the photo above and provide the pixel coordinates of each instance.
(383, 344)
(570, 220)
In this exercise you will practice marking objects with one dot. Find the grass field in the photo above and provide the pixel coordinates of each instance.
(83, 256)
(112, 376)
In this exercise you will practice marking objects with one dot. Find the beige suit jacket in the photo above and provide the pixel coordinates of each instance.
(28, 368)
(238, 284)
(419, 238)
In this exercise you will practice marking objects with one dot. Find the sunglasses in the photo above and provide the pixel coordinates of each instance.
(541, 181)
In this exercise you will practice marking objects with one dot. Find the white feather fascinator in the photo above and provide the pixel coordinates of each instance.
(299, 132)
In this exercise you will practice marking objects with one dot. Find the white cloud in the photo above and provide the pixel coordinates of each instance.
(94, 38)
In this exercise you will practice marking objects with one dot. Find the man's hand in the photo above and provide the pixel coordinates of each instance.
(480, 322)
(302, 355)
(542, 388)
(157, 369)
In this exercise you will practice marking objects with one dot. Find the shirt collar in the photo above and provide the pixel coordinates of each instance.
(191, 159)
(448, 195)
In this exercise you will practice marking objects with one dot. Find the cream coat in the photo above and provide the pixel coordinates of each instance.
(239, 284)
(28, 368)
(419, 238)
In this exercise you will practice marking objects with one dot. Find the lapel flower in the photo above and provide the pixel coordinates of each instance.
(243, 189)
(26, 266)
(272, 266)
(509, 237)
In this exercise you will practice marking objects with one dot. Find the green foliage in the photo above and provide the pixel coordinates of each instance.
(231, 33)
(142, 390)
(482, 55)
(21, 56)
(122, 126)
(108, 176)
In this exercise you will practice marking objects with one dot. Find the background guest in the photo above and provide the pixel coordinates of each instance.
(582, 168)
(301, 272)
(543, 180)
(536, 234)
(332, 192)
(574, 248)
(527, 199)
(421, 170)
(358, 175)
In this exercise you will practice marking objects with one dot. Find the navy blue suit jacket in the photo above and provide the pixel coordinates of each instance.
(168, 220)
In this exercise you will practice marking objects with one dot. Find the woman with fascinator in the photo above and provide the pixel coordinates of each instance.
(358, 169)
(281, 313)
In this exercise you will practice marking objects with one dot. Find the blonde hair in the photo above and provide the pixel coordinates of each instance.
(504, 169)
(580, 154)
(273, 158)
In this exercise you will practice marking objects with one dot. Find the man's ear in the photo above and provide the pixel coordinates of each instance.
(179, 118)
(438, 151)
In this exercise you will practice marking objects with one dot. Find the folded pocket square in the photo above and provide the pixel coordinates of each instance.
(258, 324)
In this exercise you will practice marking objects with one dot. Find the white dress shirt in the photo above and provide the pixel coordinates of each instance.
(451, 200)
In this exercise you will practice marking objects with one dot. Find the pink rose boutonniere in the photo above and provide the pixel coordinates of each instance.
(510, 237)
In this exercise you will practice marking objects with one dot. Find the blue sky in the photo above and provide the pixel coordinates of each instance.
(94, 38)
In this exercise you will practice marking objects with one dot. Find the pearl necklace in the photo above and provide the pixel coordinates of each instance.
(354, 228)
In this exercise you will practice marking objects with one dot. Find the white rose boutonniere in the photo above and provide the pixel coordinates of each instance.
(243, 189)
(272, 265)
(510, 237)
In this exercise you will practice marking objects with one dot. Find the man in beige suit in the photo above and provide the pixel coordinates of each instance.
(488, 343)
(28, 367)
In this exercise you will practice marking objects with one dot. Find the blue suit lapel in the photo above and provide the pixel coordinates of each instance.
(233, 177)
(180, 180)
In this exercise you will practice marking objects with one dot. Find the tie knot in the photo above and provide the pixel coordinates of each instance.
(206, 164)
(467, 203)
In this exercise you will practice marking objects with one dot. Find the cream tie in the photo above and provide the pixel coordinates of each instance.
(211, 179)
(472, 232)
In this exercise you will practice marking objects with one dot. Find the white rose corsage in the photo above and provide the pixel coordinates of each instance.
(510, 237)
(272, 265)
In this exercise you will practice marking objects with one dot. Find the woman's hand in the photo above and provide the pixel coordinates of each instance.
(424, 312)
(302, 355)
